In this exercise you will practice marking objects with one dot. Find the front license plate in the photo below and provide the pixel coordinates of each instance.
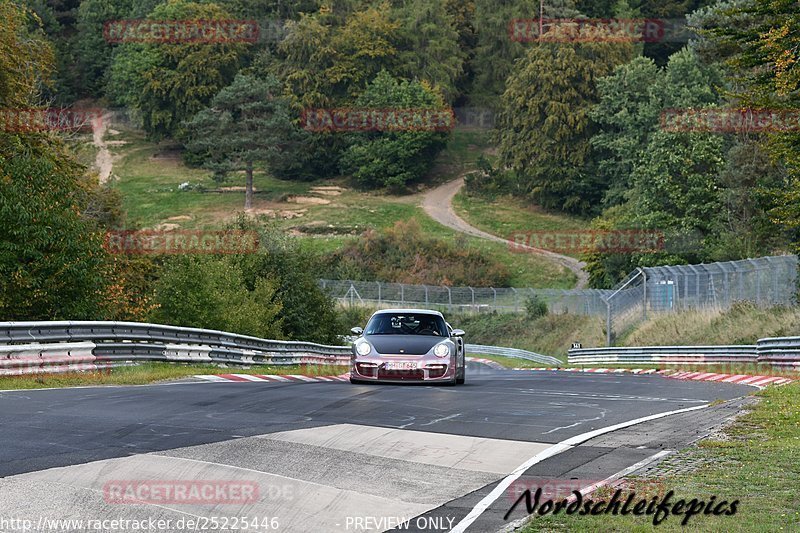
(401, 365)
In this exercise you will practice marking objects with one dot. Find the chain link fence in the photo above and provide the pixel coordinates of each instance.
(766, 281)
(380, 294)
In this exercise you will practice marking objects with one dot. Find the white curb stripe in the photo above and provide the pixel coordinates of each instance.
(248, 377)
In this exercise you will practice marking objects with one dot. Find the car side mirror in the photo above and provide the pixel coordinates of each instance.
(356, 331)
(458, 333)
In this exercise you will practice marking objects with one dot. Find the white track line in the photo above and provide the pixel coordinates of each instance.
(562, 446)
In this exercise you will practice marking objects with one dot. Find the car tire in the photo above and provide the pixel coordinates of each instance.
(462, 379)
(355, 381)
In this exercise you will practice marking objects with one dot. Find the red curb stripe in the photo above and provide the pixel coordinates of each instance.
(231, 377)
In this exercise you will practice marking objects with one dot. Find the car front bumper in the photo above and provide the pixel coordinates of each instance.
(428, 369)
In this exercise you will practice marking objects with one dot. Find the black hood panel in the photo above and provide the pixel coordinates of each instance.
(410, 344)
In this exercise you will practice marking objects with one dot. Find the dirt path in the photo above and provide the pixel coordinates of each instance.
(103, 161)
(438, 204)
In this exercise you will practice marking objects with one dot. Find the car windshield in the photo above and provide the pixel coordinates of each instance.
(406, 324)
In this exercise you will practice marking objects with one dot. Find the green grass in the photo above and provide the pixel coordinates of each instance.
(757, 464)
(148, 177)
(152, 373)
(507, 215)
(549, 335)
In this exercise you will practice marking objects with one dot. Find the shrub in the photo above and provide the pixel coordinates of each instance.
(535, 306)
(210, 292)
(308, 313)
(403, 254)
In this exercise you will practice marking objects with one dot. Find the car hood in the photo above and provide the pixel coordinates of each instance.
(410, 344)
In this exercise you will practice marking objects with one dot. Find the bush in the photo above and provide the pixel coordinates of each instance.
(52, 262)
(308, 313)
(488, 181)
(210, 292)
(402, 254)
(535, 307)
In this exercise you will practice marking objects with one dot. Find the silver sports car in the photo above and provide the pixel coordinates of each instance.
(402, 345)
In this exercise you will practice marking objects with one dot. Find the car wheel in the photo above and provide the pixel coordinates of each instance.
(461, 380)
(355, 381)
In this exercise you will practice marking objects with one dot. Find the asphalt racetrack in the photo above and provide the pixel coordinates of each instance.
(331, 456)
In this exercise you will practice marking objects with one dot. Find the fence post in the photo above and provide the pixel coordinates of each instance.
(644, 297)
(516, 299)
(402, 293)
(473, 296)
(494, 298)
(379, 292)
(426, 294)
(449, 299)
(608, 321)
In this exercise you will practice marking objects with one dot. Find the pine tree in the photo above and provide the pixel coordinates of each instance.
(247, 125)
(432, 51)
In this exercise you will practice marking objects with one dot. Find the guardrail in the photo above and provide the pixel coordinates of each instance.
(37, 347)
(513, 352)
(664, 355)
(65, 346)
(778, 351)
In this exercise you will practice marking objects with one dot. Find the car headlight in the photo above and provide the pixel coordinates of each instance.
(441, 350)
(363, 348)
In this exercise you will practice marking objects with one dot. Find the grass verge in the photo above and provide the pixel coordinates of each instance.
(146, 373)
(755, 461)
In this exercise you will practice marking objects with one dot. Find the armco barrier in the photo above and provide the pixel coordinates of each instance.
(36, 347)
(777, 351)
(512, 352)
(664, 355)
(780, 351)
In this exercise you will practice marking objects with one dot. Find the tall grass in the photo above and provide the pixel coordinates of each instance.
(744, 323)
(553, 334)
